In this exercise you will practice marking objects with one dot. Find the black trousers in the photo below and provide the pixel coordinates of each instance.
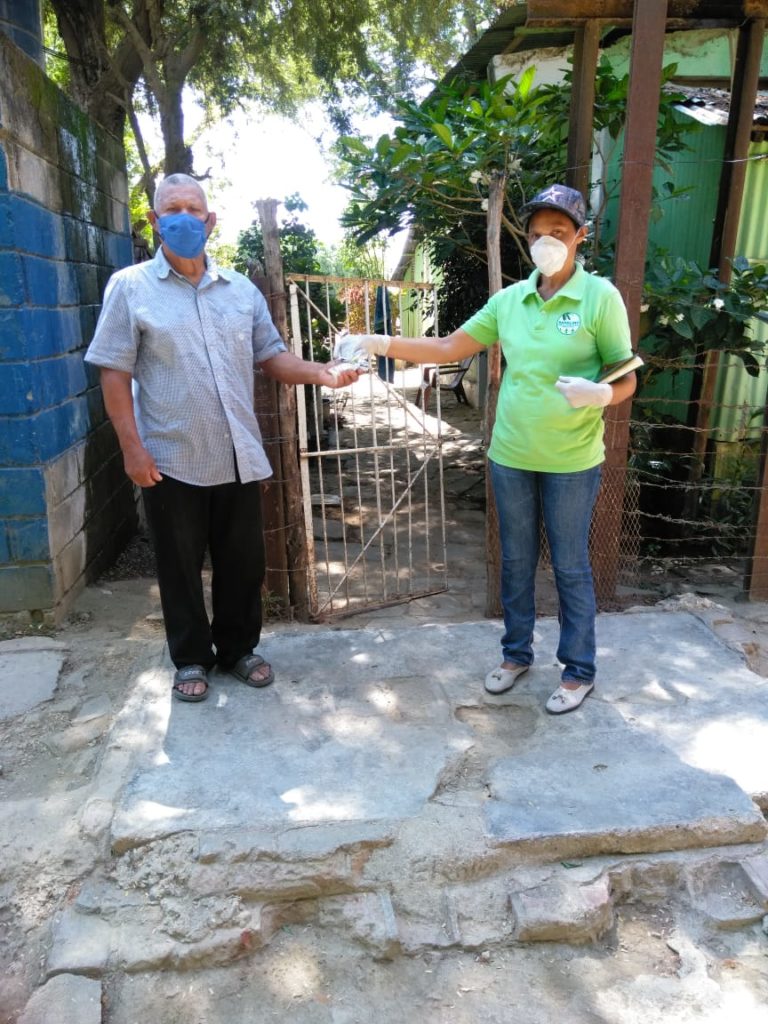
(226, 519)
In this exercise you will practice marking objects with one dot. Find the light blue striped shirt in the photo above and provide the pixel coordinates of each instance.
(192, 353)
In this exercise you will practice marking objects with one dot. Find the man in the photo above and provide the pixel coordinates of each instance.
(176, 343)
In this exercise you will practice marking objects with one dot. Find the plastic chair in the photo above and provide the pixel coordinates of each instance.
(432, 379)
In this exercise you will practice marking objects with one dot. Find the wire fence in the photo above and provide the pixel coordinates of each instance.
(694, 484)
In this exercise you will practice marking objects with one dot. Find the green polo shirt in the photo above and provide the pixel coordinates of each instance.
(575, 333)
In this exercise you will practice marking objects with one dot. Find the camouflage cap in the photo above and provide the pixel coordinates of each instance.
(557, 197)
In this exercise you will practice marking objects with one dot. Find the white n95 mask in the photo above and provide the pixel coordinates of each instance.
(549, 254)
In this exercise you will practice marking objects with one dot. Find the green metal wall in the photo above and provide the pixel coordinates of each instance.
(683, 226)
(741, 398)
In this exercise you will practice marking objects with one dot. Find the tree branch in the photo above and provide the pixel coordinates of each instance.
(149, 59)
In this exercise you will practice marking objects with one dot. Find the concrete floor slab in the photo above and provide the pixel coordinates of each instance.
(620, 792)
(337, 746)
(366, 725)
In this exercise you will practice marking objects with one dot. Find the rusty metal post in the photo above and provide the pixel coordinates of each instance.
(648, 31)
(290, 474)
(741, 116)
(582, 116)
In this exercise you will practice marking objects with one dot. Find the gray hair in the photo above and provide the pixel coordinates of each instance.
(174, 181)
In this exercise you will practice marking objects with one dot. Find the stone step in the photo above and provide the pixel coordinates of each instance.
(162, 926)
(66, 999)
(613, 789)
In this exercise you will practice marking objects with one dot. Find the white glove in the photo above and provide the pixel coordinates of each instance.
(580, 392)
(354, 347)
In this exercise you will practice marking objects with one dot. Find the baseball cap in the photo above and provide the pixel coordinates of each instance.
(557, 197)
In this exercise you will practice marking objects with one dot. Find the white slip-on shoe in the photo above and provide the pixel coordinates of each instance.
(564, 700)
(503, 679)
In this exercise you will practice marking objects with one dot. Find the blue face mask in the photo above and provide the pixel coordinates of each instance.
(182, 233)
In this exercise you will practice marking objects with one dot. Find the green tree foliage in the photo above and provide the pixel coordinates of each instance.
(302, 253)
(690, 311)
(298, 243)
(365, 261)
(436, 167)
(125, 52)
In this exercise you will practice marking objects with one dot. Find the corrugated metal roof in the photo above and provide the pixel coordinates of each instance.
(511, 32)
(711, 106)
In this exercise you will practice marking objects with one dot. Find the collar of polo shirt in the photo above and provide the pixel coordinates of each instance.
(572, 289)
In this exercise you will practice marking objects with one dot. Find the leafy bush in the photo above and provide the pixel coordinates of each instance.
(690, 310)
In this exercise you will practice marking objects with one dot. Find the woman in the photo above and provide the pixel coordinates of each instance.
(558, 329)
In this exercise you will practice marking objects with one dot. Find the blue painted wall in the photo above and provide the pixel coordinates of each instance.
(20, 21)
(66, 506)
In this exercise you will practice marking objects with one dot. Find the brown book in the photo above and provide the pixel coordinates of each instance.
(618, 370)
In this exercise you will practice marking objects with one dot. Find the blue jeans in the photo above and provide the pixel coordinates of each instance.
(565, 502)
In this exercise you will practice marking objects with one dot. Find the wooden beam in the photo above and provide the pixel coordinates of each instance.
(647, 55)
(496, 192)
(585, 56)
(567, 12)
(578, 10)
(639, 154)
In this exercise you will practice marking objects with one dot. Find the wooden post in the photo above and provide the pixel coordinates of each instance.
(266, 400)
(756, 577)
(496, 191)
(295, 540)
(745, 83)
(648, 30)
(582, 117)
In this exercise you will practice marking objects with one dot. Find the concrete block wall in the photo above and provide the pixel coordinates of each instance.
(66, 507)
(20, 21)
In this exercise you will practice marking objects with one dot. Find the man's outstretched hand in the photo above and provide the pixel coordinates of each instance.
(339, 374)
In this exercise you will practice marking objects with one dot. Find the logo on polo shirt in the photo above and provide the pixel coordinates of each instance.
(568, 323)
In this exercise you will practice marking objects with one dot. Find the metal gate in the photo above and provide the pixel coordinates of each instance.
(371, 454)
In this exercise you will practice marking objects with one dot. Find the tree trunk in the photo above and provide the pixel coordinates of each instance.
(178, 156)
(98, 80)
(496, 192)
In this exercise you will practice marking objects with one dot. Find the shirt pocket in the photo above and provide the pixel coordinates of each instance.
(235, 323)
(162, 326)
